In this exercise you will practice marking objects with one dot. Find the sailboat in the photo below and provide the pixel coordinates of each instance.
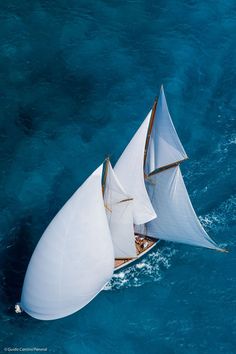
(114, 218)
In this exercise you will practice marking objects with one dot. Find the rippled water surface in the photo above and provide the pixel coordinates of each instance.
(77, 78)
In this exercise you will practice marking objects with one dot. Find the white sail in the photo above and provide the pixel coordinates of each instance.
(129, 170)
(119, 209)
(176, 219)
(74, 258)
(164, 146)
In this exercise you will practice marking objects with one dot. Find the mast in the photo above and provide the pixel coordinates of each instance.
(107, 160)
(154, 107)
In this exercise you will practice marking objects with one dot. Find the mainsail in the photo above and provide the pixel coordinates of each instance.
(129, 170)
(164, 146)
(74, 258)
(176, 219)
(119, 209)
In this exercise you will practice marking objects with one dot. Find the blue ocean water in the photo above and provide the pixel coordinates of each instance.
(77, 79)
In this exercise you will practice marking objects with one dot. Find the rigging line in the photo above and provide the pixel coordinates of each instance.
(151, 198)
(106, 207)
(124, 209)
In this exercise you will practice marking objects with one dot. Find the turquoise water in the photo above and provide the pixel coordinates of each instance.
(77, 79)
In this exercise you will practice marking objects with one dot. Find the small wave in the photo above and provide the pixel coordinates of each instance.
(220, 219)
(221, 216)
(223, 146)
(149, 269)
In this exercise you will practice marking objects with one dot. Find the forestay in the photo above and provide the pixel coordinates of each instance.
(164, 146)
(129, 170)
(74, 259)
(176, 219)
(119, 209)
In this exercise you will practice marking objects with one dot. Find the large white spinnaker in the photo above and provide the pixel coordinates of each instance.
(129, 170)
(74, 258)
(164, 146)
(176, 219)
(119, 209)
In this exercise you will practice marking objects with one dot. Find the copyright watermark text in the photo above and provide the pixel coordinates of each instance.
(25, 349)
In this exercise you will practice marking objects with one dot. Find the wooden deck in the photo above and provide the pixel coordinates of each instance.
(143, 245)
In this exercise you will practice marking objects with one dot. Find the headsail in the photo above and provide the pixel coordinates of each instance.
(164, 147)
(119, 209)
(129, 170)
(73, 259)
(176, 219)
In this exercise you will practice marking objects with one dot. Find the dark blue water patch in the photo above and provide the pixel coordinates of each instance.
(17, 248)
(25, 120)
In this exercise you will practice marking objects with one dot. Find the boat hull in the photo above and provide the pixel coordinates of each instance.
(144, 244)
